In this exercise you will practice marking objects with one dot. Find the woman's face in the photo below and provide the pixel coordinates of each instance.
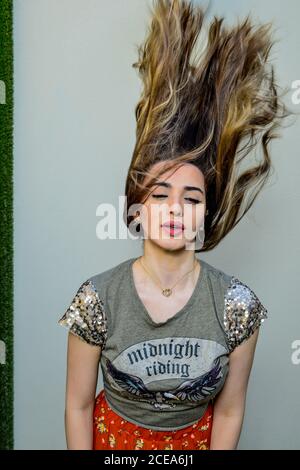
(175, 207)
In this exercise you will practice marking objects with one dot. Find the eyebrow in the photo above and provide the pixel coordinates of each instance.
(186, 188)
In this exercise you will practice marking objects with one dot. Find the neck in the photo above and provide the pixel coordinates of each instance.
(169, 266)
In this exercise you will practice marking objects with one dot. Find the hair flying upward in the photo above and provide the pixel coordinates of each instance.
(206, 101)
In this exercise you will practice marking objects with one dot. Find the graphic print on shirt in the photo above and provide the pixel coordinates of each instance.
(195, 360)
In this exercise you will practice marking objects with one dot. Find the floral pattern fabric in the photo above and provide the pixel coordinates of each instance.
(111, 431)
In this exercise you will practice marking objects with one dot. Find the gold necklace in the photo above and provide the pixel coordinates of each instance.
(168, 291)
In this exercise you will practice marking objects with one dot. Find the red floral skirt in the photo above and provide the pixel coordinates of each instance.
(111, 431)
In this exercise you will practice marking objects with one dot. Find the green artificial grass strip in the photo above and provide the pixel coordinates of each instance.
(6, 225)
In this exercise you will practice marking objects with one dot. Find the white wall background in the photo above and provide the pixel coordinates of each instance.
(75, 93)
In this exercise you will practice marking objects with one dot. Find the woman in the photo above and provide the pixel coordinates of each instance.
(176, 336)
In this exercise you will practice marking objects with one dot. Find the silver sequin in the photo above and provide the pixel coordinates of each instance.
(86, 317)
(243, 312)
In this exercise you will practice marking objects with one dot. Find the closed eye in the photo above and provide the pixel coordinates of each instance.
(194, 201)
(160, 196)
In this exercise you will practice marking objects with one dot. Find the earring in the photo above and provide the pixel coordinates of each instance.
(137, 223)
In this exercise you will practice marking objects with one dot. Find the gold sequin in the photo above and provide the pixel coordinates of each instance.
(243, 312)
(86, 317)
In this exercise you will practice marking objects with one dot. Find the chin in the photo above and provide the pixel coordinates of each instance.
(170, 245)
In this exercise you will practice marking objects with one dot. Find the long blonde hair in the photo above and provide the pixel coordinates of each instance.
(209, 107)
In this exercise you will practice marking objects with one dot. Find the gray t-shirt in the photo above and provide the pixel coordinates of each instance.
(163, 375)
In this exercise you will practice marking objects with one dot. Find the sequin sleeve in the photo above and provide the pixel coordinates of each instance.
(85, 317)
(243, 312)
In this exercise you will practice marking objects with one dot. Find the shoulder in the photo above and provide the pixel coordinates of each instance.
(109, 278)
(240, 310)
(86, 315)
(216, 275)
(244, 312)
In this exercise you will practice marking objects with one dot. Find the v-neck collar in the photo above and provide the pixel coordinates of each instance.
(138, 301)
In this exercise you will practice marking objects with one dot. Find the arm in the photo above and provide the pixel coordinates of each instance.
(229, 405)
(82, 374)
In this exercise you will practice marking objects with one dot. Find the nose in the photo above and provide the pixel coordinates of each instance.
(175, 208)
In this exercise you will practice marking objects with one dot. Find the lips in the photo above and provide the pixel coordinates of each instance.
(174, 225)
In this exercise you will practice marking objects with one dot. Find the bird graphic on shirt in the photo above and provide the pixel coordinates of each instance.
(192, 390)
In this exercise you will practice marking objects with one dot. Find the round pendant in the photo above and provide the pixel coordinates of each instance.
(167, 292)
